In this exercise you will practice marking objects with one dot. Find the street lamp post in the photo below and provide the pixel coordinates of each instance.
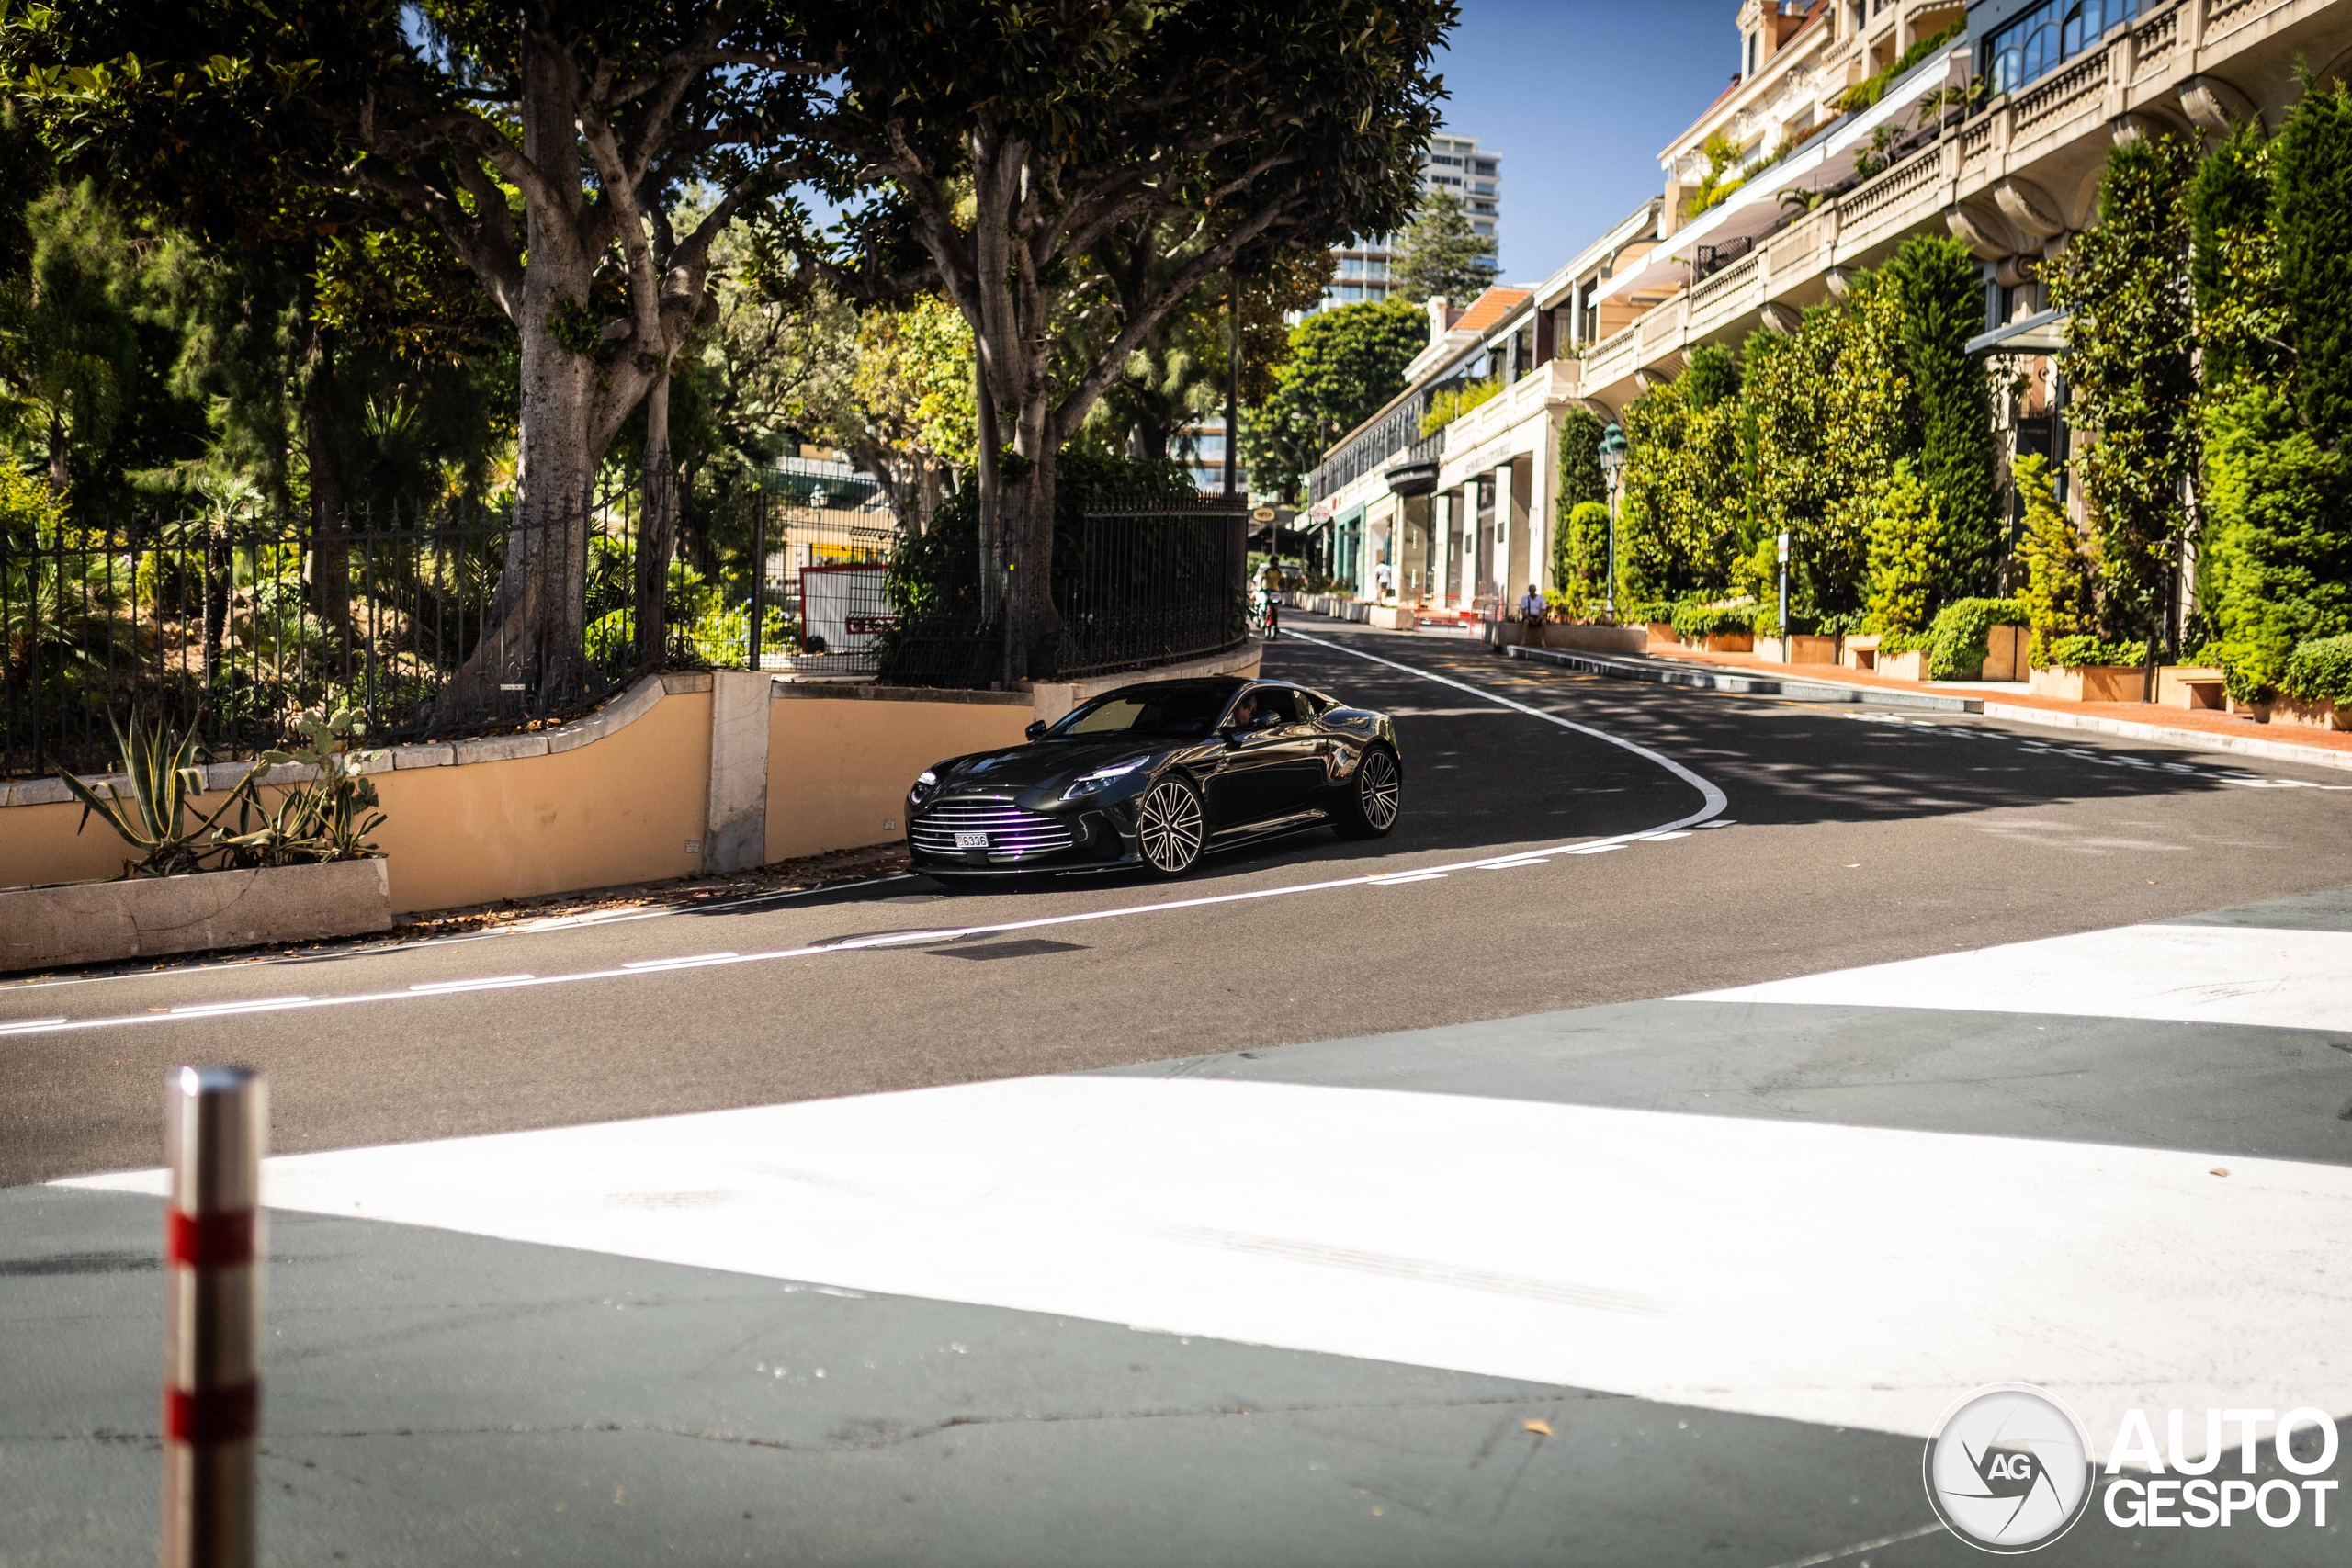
(1612, 468)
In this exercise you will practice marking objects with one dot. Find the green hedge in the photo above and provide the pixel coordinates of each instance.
(1693, 622)
(2080, 651)
(1641, 611)
(2320, 671)
(1961, 635)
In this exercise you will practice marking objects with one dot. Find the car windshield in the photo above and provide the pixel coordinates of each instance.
(1184, 712)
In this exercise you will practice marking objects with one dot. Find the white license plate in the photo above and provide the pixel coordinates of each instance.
(971, 840)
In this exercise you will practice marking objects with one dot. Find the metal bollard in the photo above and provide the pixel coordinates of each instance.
(214, 1124)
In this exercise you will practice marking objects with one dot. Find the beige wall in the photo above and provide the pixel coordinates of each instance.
(622, 808)
(840, 761)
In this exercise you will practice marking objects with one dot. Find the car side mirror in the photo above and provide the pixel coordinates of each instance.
(1036, 730)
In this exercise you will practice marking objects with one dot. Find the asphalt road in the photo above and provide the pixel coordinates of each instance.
(1344, 1203)
(1852, 837)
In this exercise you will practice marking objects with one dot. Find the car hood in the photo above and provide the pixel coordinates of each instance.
(1044, 765)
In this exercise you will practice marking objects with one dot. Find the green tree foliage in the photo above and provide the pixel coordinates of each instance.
(2134, 379)
(2313, 195)
(1909, 555)
(1683, 492)
(1580, 558)
(2233, 265)
(1943, 307)
(1002, 170)
(1580, 476)
(1439, 255)
(2279, 558)
(69, 342)
(1343, 365)
(1829, 411)
(2058, 575)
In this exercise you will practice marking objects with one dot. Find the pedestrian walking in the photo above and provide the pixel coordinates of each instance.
(1531, 618)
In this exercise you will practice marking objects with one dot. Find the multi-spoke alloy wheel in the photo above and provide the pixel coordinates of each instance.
(1369, 811)
(1169, 822)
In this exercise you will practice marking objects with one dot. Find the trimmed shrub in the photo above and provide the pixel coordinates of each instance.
(1961, 638)
(2277, 567)
(2321, 670)
(1943, 307)
(1907, 554)
(2058, 577)
(1692, 621)
(2088, 649)
(1581, 557)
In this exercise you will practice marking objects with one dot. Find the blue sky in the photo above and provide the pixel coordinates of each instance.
(1579, 96)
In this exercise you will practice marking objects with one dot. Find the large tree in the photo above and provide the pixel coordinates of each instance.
(1011, 145)
(1344, 363)
(545, 141)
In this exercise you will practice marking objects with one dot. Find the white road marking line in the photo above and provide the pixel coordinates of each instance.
(1842, 1274)
(27, 1025)
(1515, 864)
(261, 1004)
(1861, 1546)
(486, 982)
(678, 963)
(2254, 975)
(1712, 798)
(1403, 876)
(1663, 837)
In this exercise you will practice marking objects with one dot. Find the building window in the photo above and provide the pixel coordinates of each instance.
(1484, 166)
(2037, 43)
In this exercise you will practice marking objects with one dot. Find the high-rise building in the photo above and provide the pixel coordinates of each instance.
(1453, 163)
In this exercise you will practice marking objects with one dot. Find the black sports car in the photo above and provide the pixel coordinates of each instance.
(1154, 776)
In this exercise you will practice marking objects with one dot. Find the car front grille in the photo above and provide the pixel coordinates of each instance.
(1013, 834)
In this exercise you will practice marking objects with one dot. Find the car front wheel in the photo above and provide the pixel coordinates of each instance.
(1172, 828)
(1368, 808)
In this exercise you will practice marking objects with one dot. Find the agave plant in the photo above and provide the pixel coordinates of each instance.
(152, 812)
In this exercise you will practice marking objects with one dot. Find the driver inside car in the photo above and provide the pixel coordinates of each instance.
(1245, 712)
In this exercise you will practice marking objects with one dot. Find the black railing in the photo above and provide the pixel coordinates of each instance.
(1138, 584)
(415, 618)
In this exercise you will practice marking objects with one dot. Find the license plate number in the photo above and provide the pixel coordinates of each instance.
(971, 840)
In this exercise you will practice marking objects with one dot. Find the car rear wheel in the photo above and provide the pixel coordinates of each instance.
(1368, 809)
(1172, 828)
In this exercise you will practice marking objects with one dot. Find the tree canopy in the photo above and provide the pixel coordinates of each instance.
(1343, 363)
(1439, 255)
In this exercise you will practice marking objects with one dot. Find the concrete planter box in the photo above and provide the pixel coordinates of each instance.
(1728, 642)
(1911, 666)
(1662, 632)
(1802, 648)
(1861, 652)
(2294, 713)
(1392, 617)
(1596, 639)
(2091, 682)
(2004, 654)
(2193, 686)
(96, 922)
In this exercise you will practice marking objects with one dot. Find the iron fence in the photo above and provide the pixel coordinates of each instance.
(236, 624)
(1138, 584)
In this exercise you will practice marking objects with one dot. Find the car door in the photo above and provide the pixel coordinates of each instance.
(1268, 768)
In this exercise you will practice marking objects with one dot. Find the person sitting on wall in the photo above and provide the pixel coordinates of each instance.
(1531, 616)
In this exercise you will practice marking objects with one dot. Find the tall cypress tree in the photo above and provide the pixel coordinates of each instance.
(1943, 307)
(2135, 380)
(2312, 199)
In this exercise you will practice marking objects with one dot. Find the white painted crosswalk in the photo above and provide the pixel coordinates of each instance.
(1849, 1276)
(2195, 973)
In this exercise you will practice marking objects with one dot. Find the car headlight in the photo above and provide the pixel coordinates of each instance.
(924, 785)
(1102, 779)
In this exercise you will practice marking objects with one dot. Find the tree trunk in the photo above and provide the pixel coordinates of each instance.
(329, 501)
(58, 447)
(1029, 528)
(656, 533)
(532, 655)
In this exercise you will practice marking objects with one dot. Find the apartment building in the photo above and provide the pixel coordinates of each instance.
(1454, 162)
(1853, 125)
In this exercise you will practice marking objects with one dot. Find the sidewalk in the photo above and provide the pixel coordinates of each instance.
(2138, 721)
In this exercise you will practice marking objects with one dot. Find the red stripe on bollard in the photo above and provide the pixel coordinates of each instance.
(208, 1241)
(213, 1416)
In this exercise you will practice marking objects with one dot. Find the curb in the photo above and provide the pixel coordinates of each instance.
(1767, 686)
(2191, 739)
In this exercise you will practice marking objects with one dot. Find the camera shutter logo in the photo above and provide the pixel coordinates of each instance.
(2009, 1468)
